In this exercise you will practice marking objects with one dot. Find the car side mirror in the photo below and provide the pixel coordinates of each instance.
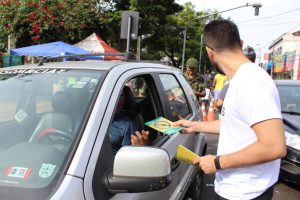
(139, 169)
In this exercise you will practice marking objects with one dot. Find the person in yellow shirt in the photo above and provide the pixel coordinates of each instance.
(218, 84)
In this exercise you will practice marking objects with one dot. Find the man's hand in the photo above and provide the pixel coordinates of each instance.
(189, 126)
(206, 163)
(139, 139)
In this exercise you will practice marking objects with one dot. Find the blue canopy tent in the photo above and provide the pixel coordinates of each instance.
(53, 49)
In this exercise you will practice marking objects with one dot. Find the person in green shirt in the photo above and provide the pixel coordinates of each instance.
(195, 79)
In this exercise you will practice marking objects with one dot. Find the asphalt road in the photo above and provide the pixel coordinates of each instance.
(282, 190)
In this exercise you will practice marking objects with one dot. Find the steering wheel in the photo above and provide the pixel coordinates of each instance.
(55, 136)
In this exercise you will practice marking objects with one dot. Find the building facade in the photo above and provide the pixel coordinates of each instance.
(284, 57)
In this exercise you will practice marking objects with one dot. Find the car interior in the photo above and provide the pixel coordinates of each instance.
(139, 105)
(56, 127)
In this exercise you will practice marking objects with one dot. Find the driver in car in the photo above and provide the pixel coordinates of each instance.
(123, 132)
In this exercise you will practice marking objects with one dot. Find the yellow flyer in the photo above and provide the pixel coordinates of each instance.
(163, 125)
(185, 155)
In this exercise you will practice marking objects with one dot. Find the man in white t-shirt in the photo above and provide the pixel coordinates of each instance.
(251, 140)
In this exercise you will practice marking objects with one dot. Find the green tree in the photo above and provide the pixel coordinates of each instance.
(41, 21)
(153, 16)
(194, 23)
(161, 24)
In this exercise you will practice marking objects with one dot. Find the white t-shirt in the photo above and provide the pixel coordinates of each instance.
(251, 98)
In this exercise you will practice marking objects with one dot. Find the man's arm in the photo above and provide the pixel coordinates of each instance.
(270, 145)
(196, 126)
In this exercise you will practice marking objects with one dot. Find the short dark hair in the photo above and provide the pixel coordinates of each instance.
(221, 35)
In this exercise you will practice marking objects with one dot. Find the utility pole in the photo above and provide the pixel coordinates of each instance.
(200, 56)
(183, 51)
(256, 7)
(138, 49)
(8, 43)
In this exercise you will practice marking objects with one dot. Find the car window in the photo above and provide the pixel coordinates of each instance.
(41, 113)
(138, 103)
(148, 105)
(138, 86)
(289, 98)
(176, 98)
(9, 101)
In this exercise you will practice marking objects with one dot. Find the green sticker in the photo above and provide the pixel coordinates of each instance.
(20, 115)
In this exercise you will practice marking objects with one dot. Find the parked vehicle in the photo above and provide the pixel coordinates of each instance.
(54, 138)
(289, 92)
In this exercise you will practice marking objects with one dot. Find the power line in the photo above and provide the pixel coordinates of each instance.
(279, 14)
(271, 24)
(293, 29)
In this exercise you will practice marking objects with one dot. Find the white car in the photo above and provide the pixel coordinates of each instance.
(54, 132)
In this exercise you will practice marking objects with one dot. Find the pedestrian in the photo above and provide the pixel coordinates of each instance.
(221, 97)
(208, 79)
(218, 84)
(195, 80)
(251, 140)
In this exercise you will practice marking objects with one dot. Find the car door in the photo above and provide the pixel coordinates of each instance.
(172, 87)
(180, 175)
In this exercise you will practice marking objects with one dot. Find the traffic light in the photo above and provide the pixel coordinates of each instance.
(256, 11)
(256, 7)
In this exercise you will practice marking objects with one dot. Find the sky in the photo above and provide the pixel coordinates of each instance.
(275, 18)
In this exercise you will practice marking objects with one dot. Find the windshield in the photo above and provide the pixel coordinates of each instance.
(40, 114)
(289, 98)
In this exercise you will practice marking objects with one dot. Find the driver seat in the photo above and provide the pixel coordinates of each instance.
(58, 119)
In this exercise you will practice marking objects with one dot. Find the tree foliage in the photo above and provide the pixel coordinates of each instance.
(41, 21)
(161, 24)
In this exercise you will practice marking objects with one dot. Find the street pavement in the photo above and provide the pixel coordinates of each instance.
(282, 190)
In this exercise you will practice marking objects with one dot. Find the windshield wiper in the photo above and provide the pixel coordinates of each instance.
(291, 112)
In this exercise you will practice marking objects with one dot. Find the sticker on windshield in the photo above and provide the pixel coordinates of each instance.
(18, 172)
(79, 84)
(20, 115)
(46, 170)
(85, 79)
(33, 71)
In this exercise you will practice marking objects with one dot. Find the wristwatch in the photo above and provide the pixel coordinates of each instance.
(217, 163)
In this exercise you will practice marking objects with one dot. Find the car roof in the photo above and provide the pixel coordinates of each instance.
(91, 65)
(287, 82)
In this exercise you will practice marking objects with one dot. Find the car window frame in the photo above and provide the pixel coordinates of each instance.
(167, 106)
(105, 152)
(119, 77)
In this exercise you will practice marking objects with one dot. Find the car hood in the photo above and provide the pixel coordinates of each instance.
(291, 123)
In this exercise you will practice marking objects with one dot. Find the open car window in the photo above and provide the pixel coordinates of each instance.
(140, 103)
(41, 112)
